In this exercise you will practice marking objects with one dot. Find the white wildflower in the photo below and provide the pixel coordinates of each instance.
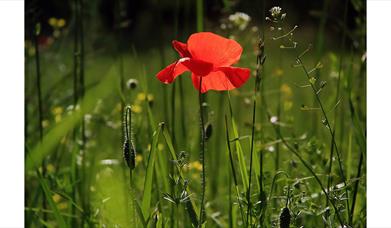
(240, 20)
(275, 11)
(273, 119)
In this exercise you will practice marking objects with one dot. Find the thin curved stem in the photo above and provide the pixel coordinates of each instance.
(331, 131)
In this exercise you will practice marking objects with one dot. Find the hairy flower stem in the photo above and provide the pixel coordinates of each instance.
(202, 156)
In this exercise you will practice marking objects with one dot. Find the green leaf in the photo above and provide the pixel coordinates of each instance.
(149, 174)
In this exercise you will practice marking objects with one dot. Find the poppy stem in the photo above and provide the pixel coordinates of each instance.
(202, 155)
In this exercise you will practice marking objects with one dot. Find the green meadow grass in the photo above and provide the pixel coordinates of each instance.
(88, 184)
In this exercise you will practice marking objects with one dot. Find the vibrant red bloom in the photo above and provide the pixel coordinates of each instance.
(209, 56)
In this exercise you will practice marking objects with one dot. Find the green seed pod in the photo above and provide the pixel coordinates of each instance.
(285, 218)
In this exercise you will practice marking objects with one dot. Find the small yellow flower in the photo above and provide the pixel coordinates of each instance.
(286, 90)
(196, 165)
(50, 168)
(139, 159)
(278, 72)
(63, 205)
(52, 21)
(61, 22)
(56, 197)
(58, 110)
(137, 109)
(150, 97)
(141, 96)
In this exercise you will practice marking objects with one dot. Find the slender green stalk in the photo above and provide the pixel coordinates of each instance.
(351, 215)
(173, 120)
(233, 168)
(260, 62)
(202, 156)
(200, 15)
(230, 219)
(361, 141)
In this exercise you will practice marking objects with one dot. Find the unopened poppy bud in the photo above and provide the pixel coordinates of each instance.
(285, 218)
(132, 83)
(129, 154)
(208, 131)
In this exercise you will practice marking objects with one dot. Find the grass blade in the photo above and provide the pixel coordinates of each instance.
(60, 220)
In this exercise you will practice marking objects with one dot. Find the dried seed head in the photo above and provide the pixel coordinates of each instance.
(285, 218)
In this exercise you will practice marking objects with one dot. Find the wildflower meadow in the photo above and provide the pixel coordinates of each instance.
(199, 113)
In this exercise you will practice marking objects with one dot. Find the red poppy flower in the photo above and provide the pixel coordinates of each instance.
(209, 56)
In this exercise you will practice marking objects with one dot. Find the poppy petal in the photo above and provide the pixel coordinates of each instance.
(214, 81)
(213, 48)
(181, 48)
(168, 74)
(225, 78)
(236, 75)
(198, 67)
